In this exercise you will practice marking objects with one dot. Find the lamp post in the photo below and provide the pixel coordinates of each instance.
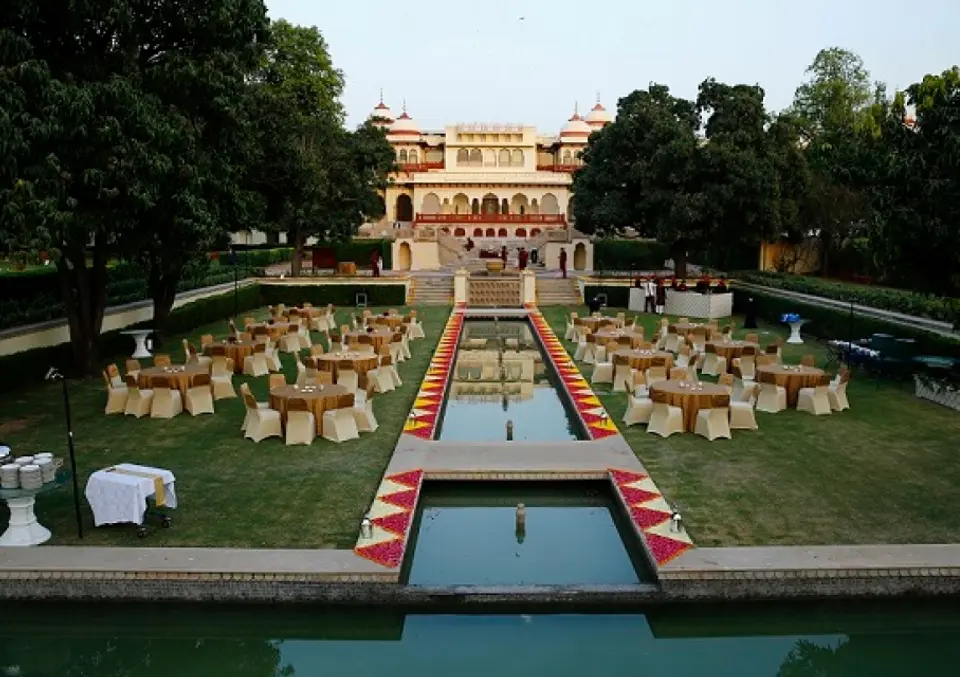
(54, 375)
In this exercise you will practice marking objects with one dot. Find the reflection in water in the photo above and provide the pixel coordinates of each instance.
(63, 641)
(499, 376)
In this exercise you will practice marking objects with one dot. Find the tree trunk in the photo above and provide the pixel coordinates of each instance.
(84, 300)
(679, 254)
(296, 265)
(163, 291)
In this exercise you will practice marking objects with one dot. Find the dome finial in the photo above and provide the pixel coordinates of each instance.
(404, 105)
(598, 97)
(576, 109)
(381, 95)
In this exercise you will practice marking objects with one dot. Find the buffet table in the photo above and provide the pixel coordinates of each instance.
(695, 304)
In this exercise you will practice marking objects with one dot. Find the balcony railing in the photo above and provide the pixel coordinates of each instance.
(558, 219)
(560, 169)
(419, 166)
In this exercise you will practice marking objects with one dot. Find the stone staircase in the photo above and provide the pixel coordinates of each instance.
(557, 292)
(431, 290)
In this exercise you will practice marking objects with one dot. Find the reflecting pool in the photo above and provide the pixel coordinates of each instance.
(500, 375)
(773, 641)
(571, 533)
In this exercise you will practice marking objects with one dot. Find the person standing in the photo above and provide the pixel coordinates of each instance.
(522, 258)
(649, 296)
(375, 263)
(661, 296)
(563, 262)
(503, 255)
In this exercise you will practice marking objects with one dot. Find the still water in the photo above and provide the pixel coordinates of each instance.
(173, 641)
(500, 375)
(467, 534)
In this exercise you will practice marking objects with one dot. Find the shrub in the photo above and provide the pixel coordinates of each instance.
(907, 302)
(629, 255)
(337, 294)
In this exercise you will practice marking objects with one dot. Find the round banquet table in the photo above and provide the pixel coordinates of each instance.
(303, 312)
(362, 363)
(731, 349)
(377, 337)
(593, 323)
(178, 374)
(616, 334)
(691, 397)
(236, 351)
(643, 359)
(346, 268)
(392, 321)
(275, 330)
(792, 377)
(684, 328)
(319, 398)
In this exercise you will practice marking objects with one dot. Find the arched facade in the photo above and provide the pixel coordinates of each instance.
(404, 208)
(431, 204)
(549, 204)
(404, 257)
(580, 256)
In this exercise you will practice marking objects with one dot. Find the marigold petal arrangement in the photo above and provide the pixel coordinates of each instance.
(391, 515)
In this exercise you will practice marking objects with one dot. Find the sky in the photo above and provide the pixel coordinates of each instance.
(531, 61)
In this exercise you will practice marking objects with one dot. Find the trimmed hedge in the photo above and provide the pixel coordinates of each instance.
(28, 367)
(338, 295)
(907, 302)
(629, 255)
(830, 323)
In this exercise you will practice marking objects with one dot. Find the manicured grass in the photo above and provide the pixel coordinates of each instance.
(232, 491)
(886, 471)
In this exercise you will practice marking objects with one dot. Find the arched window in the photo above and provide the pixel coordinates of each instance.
(504, 206)
(459, 232)
(403, 156)
(491, 232)
(476, 158)
(518, 158)
(478, 232)
(502, 232)
(489, 158)
(534, 232)
(413, 157)
(504, 159)
(463, 157)
(521, 232)
(567, 158)
(475, 206)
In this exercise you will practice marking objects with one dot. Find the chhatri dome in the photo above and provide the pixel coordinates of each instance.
(598, 117)
(404, 125)
(382, 113)
(575, 129)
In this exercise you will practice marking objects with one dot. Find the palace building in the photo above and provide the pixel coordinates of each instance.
(484, 180)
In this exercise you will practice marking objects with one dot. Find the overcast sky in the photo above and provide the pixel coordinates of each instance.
(529, 61)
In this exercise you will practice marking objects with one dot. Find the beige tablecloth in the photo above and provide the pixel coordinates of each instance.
(179, 375)
(691, 400)
(616, 334)
(731, 349)
(376, 338)
(792, 378)
(236, 351)
(319, 399)
(362, 363)
(643, 359)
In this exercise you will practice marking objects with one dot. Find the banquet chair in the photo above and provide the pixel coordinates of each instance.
(713, 364)
(699, 339)
(808, 361)
(323, 378)
(318, 322)
(742, 414)
(773, 397)
(339, 424)
(385, 376)
(654, 375)
(748, 368)
(396, 348)
(276, 381)
(117, 395)
(665, 419)
(113, 375)
(571, 331)
(602, 371)
(684, 355)
(766, 359)
(774, 350)
(639, 409)
(622, 373)
(336, 341)
(838, 392)
(139, 400)
(162, 360)
(303, 333)
(590, 352)
(714, 422)
(244, 391)
(133, 367)
(221, 378)
(752, 338)
(206, 340)
(271, 357)
(582, 344)
(167, 401)
(301, 423)
(404, 341)
(261, 421)
(290, 341)
(199, 397)
(301, 370)
(363, 415)
(331, 317)
(249, 322)
(347, 376)
(316, 349)
(728, 382)
(256, 364)
(678, 374)
(416, 329)
(815, 400)
(673, 340)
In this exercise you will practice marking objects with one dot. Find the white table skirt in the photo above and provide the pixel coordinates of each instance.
(117, 498)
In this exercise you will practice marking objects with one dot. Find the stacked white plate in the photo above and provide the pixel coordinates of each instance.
(23, 460)
(47, 469)
(43, 455)
(30, 477)
(9, 476)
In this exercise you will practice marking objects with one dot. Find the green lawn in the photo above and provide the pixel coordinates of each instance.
(232, 491)
(886, 471)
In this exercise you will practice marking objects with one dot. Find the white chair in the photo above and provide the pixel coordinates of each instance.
(167, 401)
(261, 422)
(581, 347)
(622, 374)
(117, 396)
(699, 341)
(748, 367)
(256, 364)
(301, 423)
(713, 423)
(683, 357)
(396, 349)
(639, 410)
(348, 378)
(271, 357)
(838, 392)
(290, 341)
(303, 335)
(742, 414)
(772, 398)
(199, 398)
(340, 425)
(244, 391)
(654, 375)
(381, 377)
(713, 364)
(815, 400)
(590, 351)
(363, 413)
(672, 342)
(571, 332)
(602, 372)
(416, 329)
(665, 419)
(139, 400)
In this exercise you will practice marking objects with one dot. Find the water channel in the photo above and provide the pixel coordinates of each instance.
(849, 640)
